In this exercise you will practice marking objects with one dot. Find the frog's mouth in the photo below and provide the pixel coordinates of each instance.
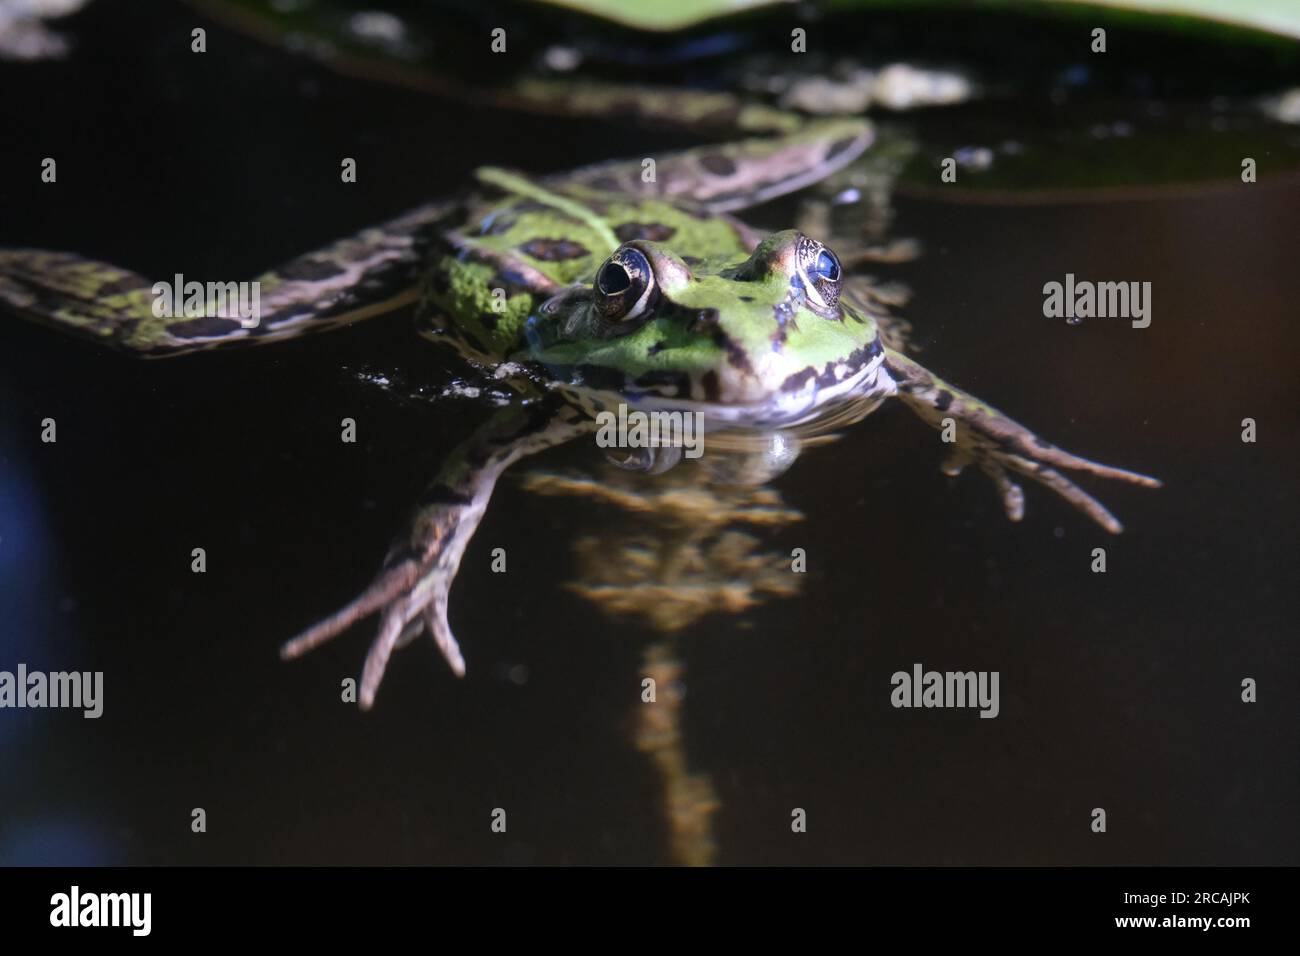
(833, 396)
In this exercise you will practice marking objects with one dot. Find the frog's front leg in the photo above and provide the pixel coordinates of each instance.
(999, 445)
(411, 590)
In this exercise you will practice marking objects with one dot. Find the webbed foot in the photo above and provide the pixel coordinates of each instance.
(410, 594)
(1000, 446)
(410, 598)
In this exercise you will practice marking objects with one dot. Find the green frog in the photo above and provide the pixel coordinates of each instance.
(619, 284)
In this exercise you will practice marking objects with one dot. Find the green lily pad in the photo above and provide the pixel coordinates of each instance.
(1279, 17)
(662, 14)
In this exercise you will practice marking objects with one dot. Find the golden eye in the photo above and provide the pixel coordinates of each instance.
(624, 286)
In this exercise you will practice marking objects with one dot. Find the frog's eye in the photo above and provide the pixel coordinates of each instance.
(821, 273)
(827, 267)
(624, 286)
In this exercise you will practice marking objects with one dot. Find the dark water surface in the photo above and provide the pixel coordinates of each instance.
(1118, 690)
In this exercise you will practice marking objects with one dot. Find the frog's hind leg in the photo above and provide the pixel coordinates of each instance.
(365, 275)
(732, 176)
(411, 591)
(1000, 446)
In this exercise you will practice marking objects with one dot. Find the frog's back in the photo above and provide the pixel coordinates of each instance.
(566, 229)
(520, 241)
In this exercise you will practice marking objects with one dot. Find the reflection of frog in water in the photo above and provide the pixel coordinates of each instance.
(682, 553)
(688, 545)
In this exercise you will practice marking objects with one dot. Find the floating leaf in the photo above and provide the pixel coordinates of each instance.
(1280, 17)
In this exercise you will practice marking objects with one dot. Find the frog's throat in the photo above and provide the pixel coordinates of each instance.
(834, 404)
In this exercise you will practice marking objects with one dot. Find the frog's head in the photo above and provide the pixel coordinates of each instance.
(767, 339)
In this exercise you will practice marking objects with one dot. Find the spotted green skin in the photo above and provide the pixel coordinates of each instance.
(505, 273)
(733, 332)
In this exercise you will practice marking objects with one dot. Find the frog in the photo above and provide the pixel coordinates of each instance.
(582, 292)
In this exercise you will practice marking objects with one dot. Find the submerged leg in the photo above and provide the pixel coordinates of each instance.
(365, 275)
(999, 445)
(411, 590)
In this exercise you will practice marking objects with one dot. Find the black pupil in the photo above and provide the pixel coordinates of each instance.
(614, 279)
(827, 267)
